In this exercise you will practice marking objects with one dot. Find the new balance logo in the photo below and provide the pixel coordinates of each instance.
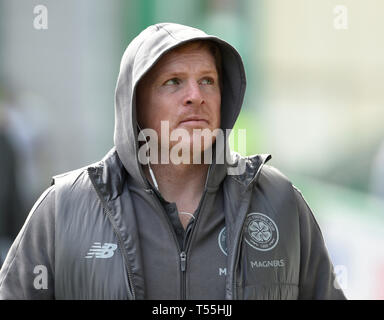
(101, 251)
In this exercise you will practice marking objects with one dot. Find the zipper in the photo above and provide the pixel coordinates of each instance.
(183, 261)
(186, 244)
(183, 268)
(183, 252)
(120, 242)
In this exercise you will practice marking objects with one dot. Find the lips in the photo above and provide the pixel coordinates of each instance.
(194, 120)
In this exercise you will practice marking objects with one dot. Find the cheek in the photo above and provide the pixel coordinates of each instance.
(157, 111)
(217, 112)
(142, 116)
(142, 106)
(149, 110)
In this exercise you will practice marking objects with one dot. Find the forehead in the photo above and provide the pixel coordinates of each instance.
(196, 52)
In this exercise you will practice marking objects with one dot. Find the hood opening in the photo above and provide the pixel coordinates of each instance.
(140, 56)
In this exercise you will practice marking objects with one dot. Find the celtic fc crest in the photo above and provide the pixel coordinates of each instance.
(260, 232)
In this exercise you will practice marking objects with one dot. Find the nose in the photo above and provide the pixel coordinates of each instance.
(193, 95)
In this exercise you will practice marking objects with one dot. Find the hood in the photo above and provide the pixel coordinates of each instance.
(141, 54)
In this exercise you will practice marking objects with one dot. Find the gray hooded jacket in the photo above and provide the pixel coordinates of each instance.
(101, 232)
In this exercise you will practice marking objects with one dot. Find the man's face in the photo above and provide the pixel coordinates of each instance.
(183, 89)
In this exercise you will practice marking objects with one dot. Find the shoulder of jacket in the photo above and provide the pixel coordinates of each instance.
(273, 179)
(80, 177)
(70, 177)
(272, 173)
(67, 176)
(257, 163)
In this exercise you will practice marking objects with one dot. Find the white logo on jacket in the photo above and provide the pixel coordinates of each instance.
(222, 240)
(101, 251)
(261, 232)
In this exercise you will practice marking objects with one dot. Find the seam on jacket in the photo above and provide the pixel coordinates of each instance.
(166, 30)
(154, 62)
(37, 205)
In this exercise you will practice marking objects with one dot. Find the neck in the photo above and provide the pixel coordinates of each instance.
(182, 184)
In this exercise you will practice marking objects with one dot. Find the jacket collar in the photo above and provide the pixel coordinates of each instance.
(249, 168)
(108, 175)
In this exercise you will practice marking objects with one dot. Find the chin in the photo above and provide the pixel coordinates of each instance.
(192, 147)
(201, 151)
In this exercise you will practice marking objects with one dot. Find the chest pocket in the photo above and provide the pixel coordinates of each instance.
(270, 258)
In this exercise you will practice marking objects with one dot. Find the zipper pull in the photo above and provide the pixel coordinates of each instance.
(183, 261)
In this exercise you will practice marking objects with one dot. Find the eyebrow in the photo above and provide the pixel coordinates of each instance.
(182, 73)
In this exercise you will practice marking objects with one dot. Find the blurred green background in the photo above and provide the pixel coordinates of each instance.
(314, 101)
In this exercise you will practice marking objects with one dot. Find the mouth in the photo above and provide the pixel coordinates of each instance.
(194, 121)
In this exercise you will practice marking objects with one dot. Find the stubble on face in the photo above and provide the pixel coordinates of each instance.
(183, 90)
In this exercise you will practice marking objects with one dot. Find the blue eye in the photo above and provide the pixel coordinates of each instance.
(173, 81)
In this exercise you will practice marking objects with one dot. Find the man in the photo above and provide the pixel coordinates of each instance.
(151, 222)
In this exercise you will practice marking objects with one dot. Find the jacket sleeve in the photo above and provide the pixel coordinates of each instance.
(317, 278)
(28, 270)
